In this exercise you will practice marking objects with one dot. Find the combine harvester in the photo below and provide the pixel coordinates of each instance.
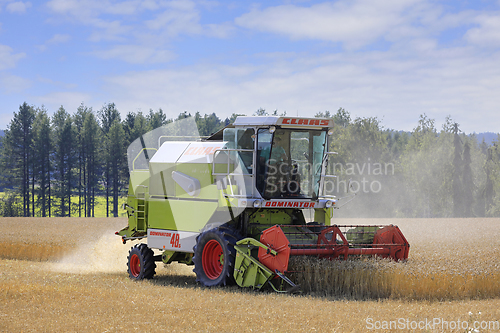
(234, 205)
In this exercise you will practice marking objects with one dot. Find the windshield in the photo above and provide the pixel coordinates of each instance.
(289, 163)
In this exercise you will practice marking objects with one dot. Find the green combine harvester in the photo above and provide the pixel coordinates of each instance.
(239, 204)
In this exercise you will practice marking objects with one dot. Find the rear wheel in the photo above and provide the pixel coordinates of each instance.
(214, 256)
(141, 264)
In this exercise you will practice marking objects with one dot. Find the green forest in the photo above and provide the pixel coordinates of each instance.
(68, 164)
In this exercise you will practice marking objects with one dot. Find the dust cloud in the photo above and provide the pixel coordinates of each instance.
(107, 254)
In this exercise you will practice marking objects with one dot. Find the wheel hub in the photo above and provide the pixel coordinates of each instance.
(213, 259)
(135, 265)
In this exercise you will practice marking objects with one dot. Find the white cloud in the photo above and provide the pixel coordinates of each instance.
(358, 23)
(136, 54)
(82, 10)
(18, 7)
(487, 34)
(79, 9)
(70, 100)
(354, 23)
(110, 31)
(7, 58)
(59, 38)
(122, 21)
(183, 18)
(56, 39)
(137, 32)
(58, 84)
(223, 30)
(394, 88)
(11, 84)
(176, 21)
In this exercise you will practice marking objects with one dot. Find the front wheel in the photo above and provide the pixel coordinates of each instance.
(214, 256)
(141, 264)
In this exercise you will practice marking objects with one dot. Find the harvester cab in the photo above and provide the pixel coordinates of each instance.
(239, 204)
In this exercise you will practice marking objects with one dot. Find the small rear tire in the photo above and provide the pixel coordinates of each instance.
(141, 264)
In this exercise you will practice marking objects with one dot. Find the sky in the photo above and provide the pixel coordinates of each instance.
(394, 60)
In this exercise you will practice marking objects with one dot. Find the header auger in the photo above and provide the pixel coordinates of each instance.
(233, 204)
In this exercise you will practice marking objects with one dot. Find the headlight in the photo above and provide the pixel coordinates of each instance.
(256, 204)
(328, 204)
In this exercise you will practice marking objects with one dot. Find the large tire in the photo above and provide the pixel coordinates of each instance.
(214, 256)
(141, 264)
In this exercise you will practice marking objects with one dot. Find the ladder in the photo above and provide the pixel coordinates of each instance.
(141, 210)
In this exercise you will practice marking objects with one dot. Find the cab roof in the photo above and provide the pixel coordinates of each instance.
(265, 121)
(295, 122)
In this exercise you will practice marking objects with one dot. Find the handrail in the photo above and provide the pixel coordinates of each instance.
(228, 150)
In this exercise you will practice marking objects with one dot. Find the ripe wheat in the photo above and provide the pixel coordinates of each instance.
(449, 259)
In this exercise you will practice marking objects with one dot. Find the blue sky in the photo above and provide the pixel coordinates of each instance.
(394, 60)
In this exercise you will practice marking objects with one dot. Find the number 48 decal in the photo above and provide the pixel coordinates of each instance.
(174, 241)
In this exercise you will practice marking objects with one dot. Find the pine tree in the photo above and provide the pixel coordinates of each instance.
(157, 119)
(42, 168)
(17, 154)
(108, 115)
(93, 147)
(128, 127)
(231, 119)
(64, 158)
(457, 186)
(79, 119)
(342, 118)
(208, 124)
(468, 182)
(489, 189)
(89, 139)
(260, 112)
(117, 161)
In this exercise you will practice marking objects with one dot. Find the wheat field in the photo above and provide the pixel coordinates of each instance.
(70, 275)
(450, 259)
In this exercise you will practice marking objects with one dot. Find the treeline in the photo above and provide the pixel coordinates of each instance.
(423, 173)
(57, 166)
